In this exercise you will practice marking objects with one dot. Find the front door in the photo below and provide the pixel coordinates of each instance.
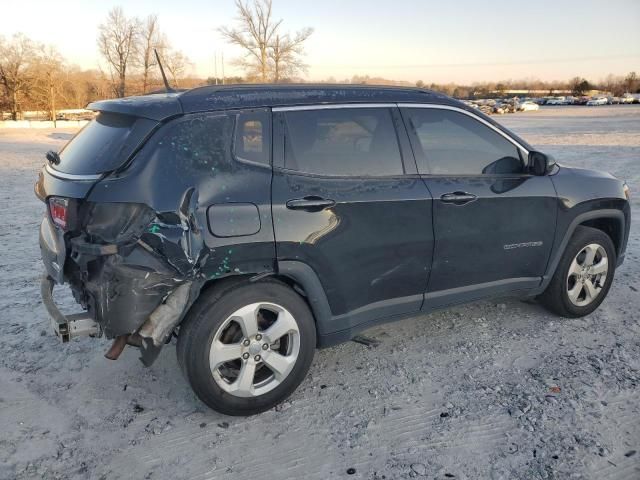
(494, 223)
(347, 204)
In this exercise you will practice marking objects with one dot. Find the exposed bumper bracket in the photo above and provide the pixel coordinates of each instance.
(64, 326)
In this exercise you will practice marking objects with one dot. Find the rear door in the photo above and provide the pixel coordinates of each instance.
(347, 201)
(494, 223)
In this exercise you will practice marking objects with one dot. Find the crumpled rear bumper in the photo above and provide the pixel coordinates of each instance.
(64, 326)
(135, 271)
(125, 289)
(118, 286)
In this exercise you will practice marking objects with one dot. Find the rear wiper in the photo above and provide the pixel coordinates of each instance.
(53, 157)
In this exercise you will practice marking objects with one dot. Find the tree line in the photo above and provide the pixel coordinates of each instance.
(37, 77)
(616, 85)
(34, 76)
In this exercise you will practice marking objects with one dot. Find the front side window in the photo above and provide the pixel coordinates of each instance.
(453, 143)
(343, 142)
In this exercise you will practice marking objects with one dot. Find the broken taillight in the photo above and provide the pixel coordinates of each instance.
(59, 209)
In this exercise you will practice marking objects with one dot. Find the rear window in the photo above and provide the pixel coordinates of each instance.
(104, 144)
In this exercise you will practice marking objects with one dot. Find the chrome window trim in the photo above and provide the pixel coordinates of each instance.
(334, 106)
(470, 114)
(69, 176)
(342, 106)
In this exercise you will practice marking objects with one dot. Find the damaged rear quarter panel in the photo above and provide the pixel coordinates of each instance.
(185, 168)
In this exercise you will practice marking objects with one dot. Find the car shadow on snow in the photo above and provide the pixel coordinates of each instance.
(60, 136)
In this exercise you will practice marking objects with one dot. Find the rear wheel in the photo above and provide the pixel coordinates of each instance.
(584, 275)
(246, 348)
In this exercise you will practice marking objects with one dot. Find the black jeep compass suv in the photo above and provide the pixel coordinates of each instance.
(256, 223)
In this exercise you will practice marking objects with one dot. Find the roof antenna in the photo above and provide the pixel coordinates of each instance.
(164, 77)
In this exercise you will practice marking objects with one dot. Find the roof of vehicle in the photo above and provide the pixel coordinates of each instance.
(252, 96)
(159, 106)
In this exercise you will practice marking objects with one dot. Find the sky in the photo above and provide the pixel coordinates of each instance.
(462, 41)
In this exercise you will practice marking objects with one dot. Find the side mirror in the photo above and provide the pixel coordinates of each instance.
(539, 163)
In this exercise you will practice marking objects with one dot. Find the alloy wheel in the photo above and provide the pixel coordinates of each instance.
(254, 349)
(587, 274)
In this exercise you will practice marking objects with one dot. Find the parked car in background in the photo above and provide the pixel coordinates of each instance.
(528, 106)
(557, 101)
(597, 101)
(626, 98)
(500, 108)
(582, 100)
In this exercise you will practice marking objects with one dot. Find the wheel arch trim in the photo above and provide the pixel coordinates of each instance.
(575, 223)
(306, 277)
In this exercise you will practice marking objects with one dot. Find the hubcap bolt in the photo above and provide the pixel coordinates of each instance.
(246, 343)
(257, 358)
(245, 355)
(258, 337)
(265, 346)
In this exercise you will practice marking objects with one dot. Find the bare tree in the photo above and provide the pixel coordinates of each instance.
(268, 53)
(117, 41)
(286, 54)
(611, 84)
(579, 86)
(150, 38)
(254, 33)
(47, 90)
(631, 82)
(175, 63)
(16, 58)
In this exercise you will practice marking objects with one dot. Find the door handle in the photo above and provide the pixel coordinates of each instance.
(310, 203)
(458, 198)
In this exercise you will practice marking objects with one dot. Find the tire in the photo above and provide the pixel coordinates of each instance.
(224, 314)
(559, 293)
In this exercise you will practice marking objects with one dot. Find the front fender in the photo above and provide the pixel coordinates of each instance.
(563, 235)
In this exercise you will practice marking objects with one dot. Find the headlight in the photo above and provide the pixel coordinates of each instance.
(627, 192)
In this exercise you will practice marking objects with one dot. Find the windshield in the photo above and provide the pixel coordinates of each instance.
(103, 144)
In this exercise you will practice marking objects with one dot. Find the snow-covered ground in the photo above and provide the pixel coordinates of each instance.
(497, 389)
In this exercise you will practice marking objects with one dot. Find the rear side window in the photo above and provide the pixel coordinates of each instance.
(344, 142)
(252, 137)
(104, 144)
(453, 143)
(198, 143)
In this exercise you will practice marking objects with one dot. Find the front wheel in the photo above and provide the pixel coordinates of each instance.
(246, 348)
(584, 275)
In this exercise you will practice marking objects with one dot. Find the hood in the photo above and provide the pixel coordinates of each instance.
(578, 185)
(585, 172)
